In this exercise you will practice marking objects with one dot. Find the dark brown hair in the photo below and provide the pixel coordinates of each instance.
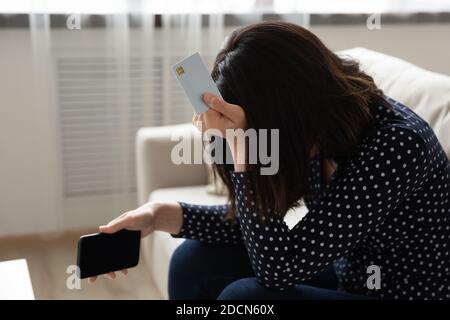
(285, 78)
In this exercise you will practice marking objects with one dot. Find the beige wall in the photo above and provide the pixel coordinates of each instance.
(31, 182)
(27, 168)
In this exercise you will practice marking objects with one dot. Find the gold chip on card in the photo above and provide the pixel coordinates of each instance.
(180, 70)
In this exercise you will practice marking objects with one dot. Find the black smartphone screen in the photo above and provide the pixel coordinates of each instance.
(102, 253)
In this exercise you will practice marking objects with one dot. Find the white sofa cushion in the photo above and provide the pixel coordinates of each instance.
(426, 92)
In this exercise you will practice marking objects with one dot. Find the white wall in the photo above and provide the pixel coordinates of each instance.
(426, 45)
(31, 196)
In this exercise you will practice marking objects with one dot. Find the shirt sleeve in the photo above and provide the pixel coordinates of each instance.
(359, 197)
(207, 224)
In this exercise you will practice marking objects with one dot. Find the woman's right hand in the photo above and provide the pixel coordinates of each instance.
(164, 216)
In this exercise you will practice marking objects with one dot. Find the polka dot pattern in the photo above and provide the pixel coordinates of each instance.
(386, 205)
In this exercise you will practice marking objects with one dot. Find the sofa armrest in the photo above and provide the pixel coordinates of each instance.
(154, 167)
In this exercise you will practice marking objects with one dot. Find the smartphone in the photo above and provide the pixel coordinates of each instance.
(195, 79)
(101, 253)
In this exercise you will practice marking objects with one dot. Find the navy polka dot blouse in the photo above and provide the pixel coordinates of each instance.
(388, 205)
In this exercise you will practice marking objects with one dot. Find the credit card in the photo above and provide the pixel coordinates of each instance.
(195, 80)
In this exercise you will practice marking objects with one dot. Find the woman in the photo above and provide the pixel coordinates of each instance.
(371, 172)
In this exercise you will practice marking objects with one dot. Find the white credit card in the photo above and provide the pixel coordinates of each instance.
(195, 80)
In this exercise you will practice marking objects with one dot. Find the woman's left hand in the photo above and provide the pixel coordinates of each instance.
(221, 116)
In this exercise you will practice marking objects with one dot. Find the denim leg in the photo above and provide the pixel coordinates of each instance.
(201, 271)
(250, 289)
(209, 271)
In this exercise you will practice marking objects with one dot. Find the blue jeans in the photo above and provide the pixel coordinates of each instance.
(219, 271)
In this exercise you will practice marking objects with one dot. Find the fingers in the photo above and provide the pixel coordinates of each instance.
(194, 118)
(220, 105)
(115, 225)
(197, 121)
(110, 275)
(118, 218)
(113, 221)
(91, 280)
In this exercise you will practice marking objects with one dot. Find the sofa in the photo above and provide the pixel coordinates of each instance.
(159, 179)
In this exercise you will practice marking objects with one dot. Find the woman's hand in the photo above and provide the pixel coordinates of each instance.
(164, 216)
(226, 118)
(221, 115)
